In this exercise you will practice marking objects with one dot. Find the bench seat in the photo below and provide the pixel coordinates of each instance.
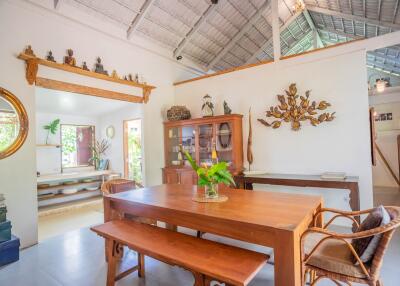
(207, 260)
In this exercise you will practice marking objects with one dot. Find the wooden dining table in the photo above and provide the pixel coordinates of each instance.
(271, 219)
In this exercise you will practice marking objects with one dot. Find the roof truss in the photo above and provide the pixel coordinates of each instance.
(139, 17)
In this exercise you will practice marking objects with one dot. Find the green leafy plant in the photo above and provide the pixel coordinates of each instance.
(98, 150)
(52, 128)
(210, 176)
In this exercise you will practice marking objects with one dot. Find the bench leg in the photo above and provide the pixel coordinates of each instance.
(112, 259)
(141, 265)
(199, 279)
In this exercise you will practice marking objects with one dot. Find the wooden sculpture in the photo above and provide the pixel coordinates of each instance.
(250, 143)
(290, 110)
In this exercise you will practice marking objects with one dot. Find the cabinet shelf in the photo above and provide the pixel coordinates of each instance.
(62, 186)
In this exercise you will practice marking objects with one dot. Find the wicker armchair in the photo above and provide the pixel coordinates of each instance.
(329, 255)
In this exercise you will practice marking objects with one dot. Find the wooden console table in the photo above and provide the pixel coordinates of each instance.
(350, 183)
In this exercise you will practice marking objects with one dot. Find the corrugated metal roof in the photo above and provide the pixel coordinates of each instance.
(202, 30)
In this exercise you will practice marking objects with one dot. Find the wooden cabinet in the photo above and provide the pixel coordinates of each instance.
(200, 137)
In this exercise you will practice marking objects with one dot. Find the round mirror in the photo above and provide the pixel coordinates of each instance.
(110, 132)
(13, 123)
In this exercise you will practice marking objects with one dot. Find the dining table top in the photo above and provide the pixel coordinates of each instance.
(263, 208)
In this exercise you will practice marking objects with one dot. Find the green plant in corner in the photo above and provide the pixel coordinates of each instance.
(98, 150)
(52, 128)
(210, 177)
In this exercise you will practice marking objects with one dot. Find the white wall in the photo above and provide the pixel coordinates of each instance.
(116, 151)
(48, 160)
(341, 145)
(22, 23)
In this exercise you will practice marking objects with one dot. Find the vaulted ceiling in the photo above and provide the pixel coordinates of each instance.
(237, 32)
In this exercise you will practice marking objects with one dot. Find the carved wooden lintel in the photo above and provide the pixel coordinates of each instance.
(31, 70)
(33, 62)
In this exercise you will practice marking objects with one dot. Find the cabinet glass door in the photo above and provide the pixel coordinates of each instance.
(205, 143)
(173, 146)
(224, 142)
(179, 140)
(188, 143)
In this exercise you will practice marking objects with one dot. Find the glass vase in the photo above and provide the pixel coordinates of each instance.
(211, 191)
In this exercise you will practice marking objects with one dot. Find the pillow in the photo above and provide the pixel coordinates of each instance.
(366, 247)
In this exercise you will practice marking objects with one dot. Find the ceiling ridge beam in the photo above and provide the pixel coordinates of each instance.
(352, 17)
(269, 41)
(194, 29)
(139, 18)
(311, 23)
(240, 34)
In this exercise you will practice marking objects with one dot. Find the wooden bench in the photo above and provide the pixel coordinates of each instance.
(207, 260)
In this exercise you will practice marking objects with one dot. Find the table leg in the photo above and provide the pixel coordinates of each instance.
(287, 266)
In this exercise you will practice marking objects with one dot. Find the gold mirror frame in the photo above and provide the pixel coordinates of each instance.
(23, 123)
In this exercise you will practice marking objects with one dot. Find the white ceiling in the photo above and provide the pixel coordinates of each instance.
(61, 102)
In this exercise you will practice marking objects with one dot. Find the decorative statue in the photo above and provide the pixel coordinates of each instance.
(250, 157)
(84, 66)
(130, 78)
(137, 78)
(28, 51)
(208, 107)
(227, 109)
(69, 59)
(114, 74)
(125, 78)
(99, 67)
(50, 57)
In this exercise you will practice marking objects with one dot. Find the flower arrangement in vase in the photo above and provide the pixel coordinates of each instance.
(211, 176)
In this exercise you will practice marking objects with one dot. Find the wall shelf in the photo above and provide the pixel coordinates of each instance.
(32, 63)
(66, 186)
(48, 145)
(57, 196)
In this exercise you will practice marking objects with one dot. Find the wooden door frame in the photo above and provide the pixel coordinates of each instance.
(125, 144)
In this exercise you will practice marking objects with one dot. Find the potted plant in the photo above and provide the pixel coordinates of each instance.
(211, 176)
(98, 150)
(51, 128)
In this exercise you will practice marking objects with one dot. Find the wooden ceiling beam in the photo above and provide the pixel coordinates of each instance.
(195, 28)
(310, 22)
(240, 34)
(269, 41)
(139, 18)
(352, 17)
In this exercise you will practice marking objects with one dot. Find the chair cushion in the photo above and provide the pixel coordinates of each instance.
(366, 247)
(332, 255)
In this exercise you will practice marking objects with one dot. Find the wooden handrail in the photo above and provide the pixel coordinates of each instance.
(387, 163)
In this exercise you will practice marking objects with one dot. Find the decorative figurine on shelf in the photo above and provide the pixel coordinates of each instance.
(85, 67)
(99, 67)
(28, 51)
(208, 107)
(137, 78)
(50, 57)
(130, 78)
(125, 78)
(114, 74)
(69, 59)
(227, 109)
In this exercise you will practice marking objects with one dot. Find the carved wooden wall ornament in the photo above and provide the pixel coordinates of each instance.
(290, 110)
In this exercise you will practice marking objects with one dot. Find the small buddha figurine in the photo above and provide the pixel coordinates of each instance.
(69, 59)
(28, 51)
(84, 66)
(125, 78)
(130, 78)
(99, 67)
(50, 57)
(137, 78)
(227, 109)
(114, 74)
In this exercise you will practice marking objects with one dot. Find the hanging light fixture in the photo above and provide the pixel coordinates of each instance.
(380, 85)
(299, 6)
